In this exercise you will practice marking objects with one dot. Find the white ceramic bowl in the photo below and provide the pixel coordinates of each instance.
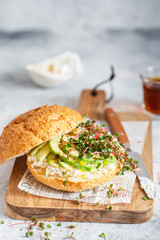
(55, 71)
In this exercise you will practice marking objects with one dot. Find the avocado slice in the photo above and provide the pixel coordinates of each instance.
(65, 165)
(42, 153)
(87, 160)
(51, 161)
(69, 161)
(36, 149)
(75, 155)
(53, 144)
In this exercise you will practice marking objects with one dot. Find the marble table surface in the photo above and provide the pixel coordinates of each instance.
(103, 33)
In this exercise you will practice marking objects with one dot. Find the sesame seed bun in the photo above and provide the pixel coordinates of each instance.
(72, 184)
(35, 127)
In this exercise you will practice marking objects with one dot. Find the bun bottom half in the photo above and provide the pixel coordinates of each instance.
(72, 186)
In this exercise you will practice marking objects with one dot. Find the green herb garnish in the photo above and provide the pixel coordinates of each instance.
(103, 235)
(94, 142)
(80, 195)
(78, 200)
(117, 134)
(144, 198)
(28, 234)
(47, 234)
(41, 225)
(73, 226)
(85, 115)
(36, 225)
(31, 227)
(64, 182)
(49, 226)
(69, 235)
(34, 219)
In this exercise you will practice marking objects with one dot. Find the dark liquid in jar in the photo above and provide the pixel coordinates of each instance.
(151, 90)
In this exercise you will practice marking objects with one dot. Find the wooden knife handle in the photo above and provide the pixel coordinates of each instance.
(116, 125)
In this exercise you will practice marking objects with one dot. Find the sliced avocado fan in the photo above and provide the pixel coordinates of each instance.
(56, 157)
(54, 146)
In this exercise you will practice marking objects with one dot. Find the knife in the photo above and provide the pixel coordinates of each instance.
(143, 175)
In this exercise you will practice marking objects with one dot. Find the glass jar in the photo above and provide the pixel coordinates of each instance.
(151, 90)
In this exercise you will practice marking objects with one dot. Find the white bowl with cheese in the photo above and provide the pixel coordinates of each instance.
(54, 71)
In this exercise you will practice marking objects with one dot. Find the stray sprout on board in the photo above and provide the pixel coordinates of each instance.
(144, 198)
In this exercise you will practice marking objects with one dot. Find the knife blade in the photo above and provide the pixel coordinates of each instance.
(143, 175)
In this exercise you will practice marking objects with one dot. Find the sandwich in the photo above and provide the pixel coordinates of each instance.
(63, 151)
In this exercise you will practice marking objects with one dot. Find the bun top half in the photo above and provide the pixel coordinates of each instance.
(34, 127)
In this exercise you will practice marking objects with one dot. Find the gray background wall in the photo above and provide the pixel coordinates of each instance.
(125, 33)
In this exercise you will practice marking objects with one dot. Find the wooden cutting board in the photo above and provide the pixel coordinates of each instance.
(22, 205)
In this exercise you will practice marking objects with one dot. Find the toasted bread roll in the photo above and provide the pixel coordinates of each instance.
(34, 127)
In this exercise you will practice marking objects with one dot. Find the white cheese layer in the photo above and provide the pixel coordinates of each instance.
(75, 174)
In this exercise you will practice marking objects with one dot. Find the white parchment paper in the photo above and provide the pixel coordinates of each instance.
(136, 132)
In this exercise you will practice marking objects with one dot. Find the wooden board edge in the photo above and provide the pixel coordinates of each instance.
(98, 216)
